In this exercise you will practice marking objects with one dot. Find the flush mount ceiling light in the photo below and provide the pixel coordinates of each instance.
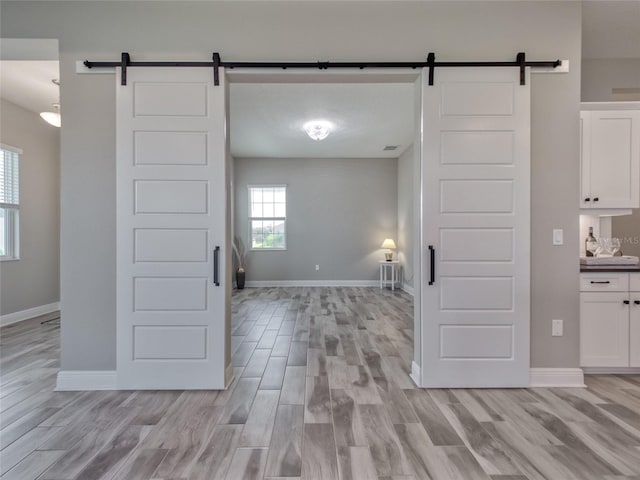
(53, 118)
(318, 129)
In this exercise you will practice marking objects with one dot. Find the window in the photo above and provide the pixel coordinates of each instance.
(267, 217)
(9, 202)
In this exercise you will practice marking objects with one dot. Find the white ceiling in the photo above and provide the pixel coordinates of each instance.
(267, 119)
(28, 84)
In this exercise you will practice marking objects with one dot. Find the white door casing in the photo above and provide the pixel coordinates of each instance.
(476, 216)
(172, 199)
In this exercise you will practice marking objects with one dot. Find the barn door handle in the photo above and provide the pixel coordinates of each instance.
(216, 266)
(432, 265)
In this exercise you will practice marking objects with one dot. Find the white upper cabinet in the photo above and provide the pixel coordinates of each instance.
(610, 159)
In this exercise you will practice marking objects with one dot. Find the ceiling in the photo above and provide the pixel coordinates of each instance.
(267, 119)
(28, 84)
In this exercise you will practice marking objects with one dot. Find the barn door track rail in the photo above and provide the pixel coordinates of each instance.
(215, 63)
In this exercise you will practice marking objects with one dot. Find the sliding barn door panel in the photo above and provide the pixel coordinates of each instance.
(171, 216)
(475, 311)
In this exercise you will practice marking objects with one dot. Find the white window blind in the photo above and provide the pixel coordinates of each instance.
(9, 178)
(9, 203)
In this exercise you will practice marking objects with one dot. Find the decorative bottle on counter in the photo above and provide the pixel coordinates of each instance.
(590, 237)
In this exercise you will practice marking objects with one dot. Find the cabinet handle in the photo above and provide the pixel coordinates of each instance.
(595, 199)
(626, 302)
(606, 282)
(216, 266)
(587, 199)
(637, 302)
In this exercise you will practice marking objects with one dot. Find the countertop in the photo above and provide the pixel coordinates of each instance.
(610, 269)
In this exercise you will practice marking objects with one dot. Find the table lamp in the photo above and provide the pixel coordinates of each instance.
(388, 244)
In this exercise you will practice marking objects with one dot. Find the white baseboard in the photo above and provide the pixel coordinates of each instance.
(80, 380)
(415, 374)
(408, 289)
(611, 370)
(556, 377)
(22, 315)
(313, 283)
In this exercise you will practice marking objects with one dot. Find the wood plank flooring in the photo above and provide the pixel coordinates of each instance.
(320, 392)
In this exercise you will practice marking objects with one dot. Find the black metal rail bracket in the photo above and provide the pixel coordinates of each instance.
(125, 62)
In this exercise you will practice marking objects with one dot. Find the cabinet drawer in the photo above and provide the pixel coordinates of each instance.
(604, 282)
(634, 282)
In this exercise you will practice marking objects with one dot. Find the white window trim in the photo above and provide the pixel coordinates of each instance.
(12, 236)
(250, 218)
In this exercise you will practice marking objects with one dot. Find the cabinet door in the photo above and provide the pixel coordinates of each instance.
(634, 330)
(585, 159)
(614, 159)
(604, 330)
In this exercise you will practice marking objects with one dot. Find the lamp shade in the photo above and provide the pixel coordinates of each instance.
(388, 243)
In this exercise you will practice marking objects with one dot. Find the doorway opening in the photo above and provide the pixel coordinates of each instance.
(312, 214)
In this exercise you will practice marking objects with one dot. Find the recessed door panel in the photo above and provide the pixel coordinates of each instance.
(170, 343)
(476, 196)
(165, 99)
(476, 244)
(476, 293)
(170, 245)
(477, 148)
(471, 342)
(484, 99)
(171, 196)
(170, 148)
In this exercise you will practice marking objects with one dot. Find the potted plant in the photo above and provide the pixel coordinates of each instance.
(240, 254)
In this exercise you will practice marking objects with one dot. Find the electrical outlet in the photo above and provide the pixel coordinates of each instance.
(317, 268)
(557, 328)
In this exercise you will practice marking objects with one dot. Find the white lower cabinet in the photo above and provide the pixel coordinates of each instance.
(609, 320)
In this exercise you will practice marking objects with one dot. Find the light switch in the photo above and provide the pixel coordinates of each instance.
(558, 236)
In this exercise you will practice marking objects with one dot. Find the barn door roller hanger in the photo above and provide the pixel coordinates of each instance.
(215, 63)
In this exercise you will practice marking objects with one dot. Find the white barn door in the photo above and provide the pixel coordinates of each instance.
(476, 217)
(172, 229)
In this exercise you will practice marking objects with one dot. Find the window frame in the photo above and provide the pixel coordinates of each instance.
(251, 218)
(12, 220)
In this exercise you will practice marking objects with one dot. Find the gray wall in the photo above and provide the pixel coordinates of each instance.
(405, 241)
(338, 213)
(34, 280)
(599, 77)
(473, 30)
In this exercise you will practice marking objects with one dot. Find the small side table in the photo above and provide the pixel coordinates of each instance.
(386, 268)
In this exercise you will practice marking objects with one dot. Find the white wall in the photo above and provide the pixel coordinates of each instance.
(310, 30)
(34, 280)
(338, 213)
(405, 214)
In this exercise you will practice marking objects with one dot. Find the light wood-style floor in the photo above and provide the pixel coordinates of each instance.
(321, 392)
